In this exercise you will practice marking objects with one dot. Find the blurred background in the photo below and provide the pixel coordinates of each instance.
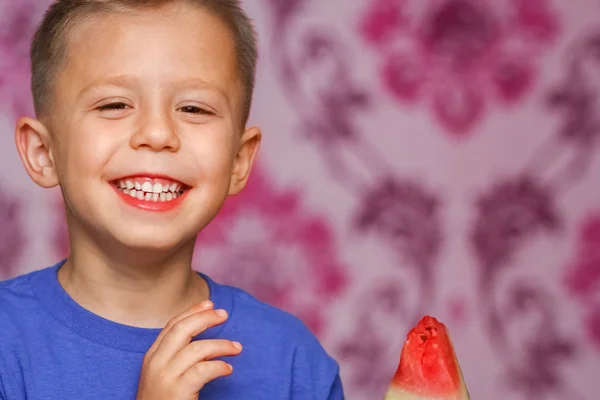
(420, 157)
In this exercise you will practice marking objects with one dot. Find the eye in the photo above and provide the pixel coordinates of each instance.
(113, 107)
(195, 110)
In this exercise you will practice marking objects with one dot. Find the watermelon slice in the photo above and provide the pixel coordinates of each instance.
(428, 368)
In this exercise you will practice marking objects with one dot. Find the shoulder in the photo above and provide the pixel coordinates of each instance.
(16, 294)
(259, 319)
(273, 321)
(17, 308)
(314, 371)
(20, 307)
(17, 304)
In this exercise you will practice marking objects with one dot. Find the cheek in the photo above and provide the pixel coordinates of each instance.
(213, 158)
(87, 151)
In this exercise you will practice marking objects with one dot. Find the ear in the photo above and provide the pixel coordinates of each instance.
(244, 159)
(33, 144)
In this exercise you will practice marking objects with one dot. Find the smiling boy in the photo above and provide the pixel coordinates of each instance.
(141, 112)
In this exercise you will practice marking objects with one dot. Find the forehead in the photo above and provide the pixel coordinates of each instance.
(159, 47)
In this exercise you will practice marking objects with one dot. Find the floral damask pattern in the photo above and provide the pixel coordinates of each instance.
(510, 215)
(17, 22)
(583, 276)
(406, 216)
(458, 55)
(577, 98)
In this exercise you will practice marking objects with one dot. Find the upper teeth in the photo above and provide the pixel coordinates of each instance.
(149, 187)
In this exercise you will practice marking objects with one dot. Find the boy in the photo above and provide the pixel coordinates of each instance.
(142, 107)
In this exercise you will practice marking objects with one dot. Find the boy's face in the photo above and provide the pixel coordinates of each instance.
(151, 100)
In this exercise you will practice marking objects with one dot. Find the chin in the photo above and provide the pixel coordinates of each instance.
(151, 240)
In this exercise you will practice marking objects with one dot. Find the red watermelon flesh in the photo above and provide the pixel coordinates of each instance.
(428, 368)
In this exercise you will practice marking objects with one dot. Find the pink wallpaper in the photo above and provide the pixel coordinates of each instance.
(420, 156)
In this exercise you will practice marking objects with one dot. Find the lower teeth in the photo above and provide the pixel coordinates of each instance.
(153, 197)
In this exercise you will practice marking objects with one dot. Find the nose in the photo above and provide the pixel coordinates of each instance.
(157, 133)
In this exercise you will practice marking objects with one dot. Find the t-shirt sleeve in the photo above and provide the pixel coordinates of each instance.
(2, 390)
(337, 391)
(3, 395)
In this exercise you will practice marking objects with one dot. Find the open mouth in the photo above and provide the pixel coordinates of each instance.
(150, 189)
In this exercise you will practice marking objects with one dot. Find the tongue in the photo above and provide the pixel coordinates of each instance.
(428, 368)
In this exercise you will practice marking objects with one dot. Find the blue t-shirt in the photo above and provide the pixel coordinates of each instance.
(52, 348)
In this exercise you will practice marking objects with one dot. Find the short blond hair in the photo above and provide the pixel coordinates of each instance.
(49, 45)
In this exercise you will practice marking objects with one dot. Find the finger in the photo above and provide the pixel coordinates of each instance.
(200, 374)
(202, 350)
(184, 330)
(203, 306)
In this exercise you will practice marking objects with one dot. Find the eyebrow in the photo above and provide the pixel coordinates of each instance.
(129, 81)
(116, 80)
(199, 83)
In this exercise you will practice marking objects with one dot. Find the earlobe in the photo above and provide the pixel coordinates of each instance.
(33, 144)
(244, 160)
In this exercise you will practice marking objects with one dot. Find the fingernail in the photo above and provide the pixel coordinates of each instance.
(206, 304)
(237, 345)
(230, 367)
(222, 313)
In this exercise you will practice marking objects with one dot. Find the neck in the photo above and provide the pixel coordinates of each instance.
(131, 286)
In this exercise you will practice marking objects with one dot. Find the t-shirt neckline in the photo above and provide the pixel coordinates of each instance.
(100, 330)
